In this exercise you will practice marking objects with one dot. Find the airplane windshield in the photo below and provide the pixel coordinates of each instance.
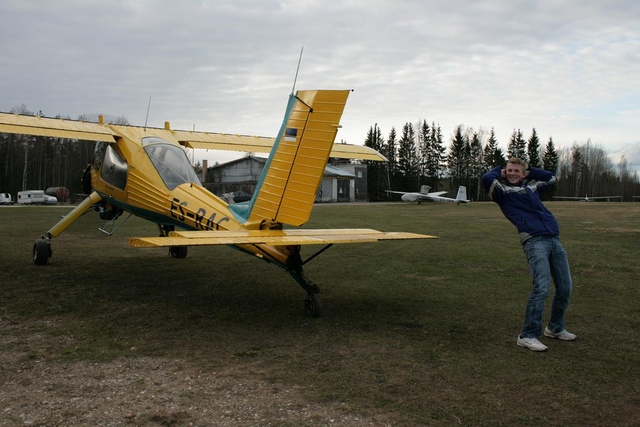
(170, 161)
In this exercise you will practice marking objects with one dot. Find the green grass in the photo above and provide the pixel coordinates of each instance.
(420, 331)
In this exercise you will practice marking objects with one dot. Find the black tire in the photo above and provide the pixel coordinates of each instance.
(86, 180)
(312, 305)
(41, 252)
(178, 251)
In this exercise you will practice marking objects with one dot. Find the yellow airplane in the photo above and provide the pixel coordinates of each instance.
(146, 172)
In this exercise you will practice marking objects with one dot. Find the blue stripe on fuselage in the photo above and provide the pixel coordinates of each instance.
(240, 211)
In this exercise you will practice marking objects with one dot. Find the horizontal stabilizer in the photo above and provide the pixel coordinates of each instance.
(272, 237)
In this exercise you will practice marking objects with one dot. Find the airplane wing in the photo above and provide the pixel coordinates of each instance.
(260, 144)
(90, 131)
(437, 193)
(587, 198)
(272, 237)
(605, 197)
(58, 128)
(428, 197)
(420, 196)
(572, 198)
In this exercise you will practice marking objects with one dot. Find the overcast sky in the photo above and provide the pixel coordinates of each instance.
(568, 68)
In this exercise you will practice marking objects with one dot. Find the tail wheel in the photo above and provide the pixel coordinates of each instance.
(41, 252)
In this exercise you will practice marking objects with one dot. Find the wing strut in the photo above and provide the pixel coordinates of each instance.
(317, 253)
(110, 227)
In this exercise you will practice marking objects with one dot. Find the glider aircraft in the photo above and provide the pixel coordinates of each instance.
(145, 172)
(425, 196)
(586, 198)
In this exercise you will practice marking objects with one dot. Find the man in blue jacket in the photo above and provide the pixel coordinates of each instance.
(516, 190)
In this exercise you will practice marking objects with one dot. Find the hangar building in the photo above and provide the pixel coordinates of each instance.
(342, 182)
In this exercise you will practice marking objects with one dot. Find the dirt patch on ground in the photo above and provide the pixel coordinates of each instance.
(152, 392)
(146, 391)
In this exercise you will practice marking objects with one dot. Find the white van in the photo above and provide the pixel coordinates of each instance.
(5, 199)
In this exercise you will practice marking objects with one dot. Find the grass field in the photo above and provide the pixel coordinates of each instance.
(411, 332)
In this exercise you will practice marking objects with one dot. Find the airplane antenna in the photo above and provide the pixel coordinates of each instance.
(147, 118)
(297, 69)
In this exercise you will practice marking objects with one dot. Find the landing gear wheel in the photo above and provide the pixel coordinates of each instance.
(41, 252)
(312, 305)
(178, 251)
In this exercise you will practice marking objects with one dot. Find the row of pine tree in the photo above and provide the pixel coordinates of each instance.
(419, 157)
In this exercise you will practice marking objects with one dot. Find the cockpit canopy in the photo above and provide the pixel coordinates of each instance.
(170, 161)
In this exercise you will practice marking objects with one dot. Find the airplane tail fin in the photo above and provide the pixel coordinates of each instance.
(292, 175)
(462, 194)
(425, 189)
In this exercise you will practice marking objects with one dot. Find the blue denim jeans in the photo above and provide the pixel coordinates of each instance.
(547, 259)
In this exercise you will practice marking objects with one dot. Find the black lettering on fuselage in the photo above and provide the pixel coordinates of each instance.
(175, 206)
(178, 211)
(199, 217)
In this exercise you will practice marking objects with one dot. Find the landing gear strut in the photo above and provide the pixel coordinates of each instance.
(294, 267)
(42, 247)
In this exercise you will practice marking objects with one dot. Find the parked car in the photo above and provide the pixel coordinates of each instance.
(5, 199)
(50, 200)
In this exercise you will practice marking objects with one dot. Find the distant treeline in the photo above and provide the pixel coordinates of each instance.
(37, 163)
(419, 157)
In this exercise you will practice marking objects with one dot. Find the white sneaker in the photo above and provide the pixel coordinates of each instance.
(563, 335)
(531, 343)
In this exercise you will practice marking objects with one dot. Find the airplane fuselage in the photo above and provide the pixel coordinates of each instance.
(153, 179)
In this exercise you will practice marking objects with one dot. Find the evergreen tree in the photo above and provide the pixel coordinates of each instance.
(576, 168)
(489, 149)
(424, 148)
(550, 158)
(500, 157)
(550, 162)
(376, 171)
(476, 166)
(436, 158)
(533, 150)
(517, 146)
(408, 164)
(493, 155)
(458, 158)
(391, 153)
